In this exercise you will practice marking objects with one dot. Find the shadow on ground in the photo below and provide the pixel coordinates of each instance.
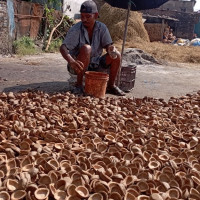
(48, 87)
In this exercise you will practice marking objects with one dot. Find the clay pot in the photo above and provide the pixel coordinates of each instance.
(4, 195)
(96, 196)
(12, 184)
(143, 186)
(11, 163)
(2, 174)
(115, 195)
(59, 146)
(30, 168)
(71, 190)
(173, 193)
(54, 164)
(154, 165)
(82, 191)
(129, 196)
(31, 188)
(101, 147)
(156, 196)
(60, 195)
(133, 192)
(164, 178)
(18, 194)
(41, 193)
(129, 180)
(143, 197)
(24, 146)
(61, 184)
(196, 180)
(44, 180)
(53, 176)
(73, 198)
(101, 186)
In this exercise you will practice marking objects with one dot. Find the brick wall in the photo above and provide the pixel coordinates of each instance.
(3, 28)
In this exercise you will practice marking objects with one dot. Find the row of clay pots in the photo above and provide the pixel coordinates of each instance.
(66, 147)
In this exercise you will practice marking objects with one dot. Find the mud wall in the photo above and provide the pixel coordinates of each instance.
(3, 28)
(154, 31)
(28, 17)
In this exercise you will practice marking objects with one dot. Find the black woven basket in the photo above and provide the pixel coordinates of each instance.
(127, 78)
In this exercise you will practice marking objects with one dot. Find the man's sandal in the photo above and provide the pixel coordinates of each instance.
(115, 90)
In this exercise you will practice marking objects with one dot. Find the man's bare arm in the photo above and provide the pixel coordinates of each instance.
(65, 54)
(75, 64)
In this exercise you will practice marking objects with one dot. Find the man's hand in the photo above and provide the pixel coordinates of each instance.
(77, 65)
(112, 51)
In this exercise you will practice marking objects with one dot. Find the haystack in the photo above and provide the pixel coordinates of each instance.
(115, 19)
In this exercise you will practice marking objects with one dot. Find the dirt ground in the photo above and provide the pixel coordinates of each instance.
(48, 72)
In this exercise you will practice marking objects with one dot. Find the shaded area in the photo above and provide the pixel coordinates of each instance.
(49, 87)
(136, 4)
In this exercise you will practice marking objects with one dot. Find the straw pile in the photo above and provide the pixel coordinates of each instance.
(168, 52)
(115, 19)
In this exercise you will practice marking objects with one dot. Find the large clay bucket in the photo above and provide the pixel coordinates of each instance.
(96, 83)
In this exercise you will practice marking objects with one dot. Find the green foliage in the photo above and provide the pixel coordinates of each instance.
(53, 17)
(54, 4)
(64, 27)
(24, 46)
(68, 22)
(55, 45)
(50, 3)
(50, 16)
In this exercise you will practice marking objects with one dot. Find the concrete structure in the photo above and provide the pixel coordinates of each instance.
(155, 26)
(72, 7)
(183, 27)
(179, 5)
(182, 14)
(4, 40)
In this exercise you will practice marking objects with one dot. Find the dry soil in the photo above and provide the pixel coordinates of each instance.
(48, 72)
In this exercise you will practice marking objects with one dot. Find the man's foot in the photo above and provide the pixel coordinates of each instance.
(77, 90)
(115, 90)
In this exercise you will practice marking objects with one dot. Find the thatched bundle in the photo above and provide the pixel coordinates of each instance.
(115, 19)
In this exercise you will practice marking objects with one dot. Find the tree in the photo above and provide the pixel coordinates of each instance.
(52, 21)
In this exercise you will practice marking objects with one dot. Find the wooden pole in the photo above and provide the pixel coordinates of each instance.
(124, 41)
(162, 29)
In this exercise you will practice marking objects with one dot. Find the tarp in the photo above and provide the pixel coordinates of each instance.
(10, 8)
(137, 4)
(195, 42)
